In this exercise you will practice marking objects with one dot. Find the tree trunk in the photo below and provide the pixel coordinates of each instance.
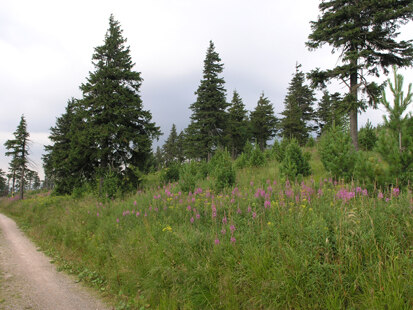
(13, 183)
(22, 170)
(354, 109)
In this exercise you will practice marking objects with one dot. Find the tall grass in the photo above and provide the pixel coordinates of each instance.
(264, 244)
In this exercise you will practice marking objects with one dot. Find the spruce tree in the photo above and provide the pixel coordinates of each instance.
(263, 122)
(364, 32)
(171, 147)
(68, 160)
(331, 111)
(209, 114)
(120, 130)
(237, 128)
(299, 117)
(18, 148)
(3, 183)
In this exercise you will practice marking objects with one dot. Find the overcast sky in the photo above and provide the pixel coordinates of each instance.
(46, 49)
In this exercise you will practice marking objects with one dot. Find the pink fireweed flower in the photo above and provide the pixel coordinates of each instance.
(358, 190)
(232, 228)
(364, 192)
(224, 220)
(268, 181)
(146, 214)
(251, 183)
(97, 214)
(198, 216)
(193, 199)
(117, 220)
(249, 209)
(214, 213)
(223, 231)
(233, 240)
(380, 195)
(387, 199)
(188, 208)
(254, 215)
(192, 220)
(267, 204)
(239, 211)
(137, 214)
(134, 203)
(320, 193)
(232, 200)
(217, 241)
(396, 191)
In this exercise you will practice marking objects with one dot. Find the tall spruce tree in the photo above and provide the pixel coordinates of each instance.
(120, 129)
(18, 148)
(209, 116)
(299, 117)
(263, 122)
(364, 32)
(238, 126)
(331, 111)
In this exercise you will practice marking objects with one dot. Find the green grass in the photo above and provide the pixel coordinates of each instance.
(308, 249)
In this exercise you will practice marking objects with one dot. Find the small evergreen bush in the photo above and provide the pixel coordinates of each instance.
(257, 157)
(279, 149)
(367, 137)
(189, 175)
(223, 171)
(337, 153)
(295, 163)
(170, 174)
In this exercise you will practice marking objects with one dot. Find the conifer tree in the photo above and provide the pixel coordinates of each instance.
(331, 111)
(237, 128)
(171, 147)
(68, 158)
(3, 183)
(364, 33)
(298, 121)
(121, 131)
(263, 122)
(18, 148)
(209, 114)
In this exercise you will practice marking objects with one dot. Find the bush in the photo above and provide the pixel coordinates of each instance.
(294, 164)
(189, 174)
(222, 170)
(400, 160)
(370, 170)
(257, 158)
(279, 149)
(337, 153)
(170, 174)
(367, 137)
(310, 142)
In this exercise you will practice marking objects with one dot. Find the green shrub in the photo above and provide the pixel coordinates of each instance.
(110, 185)
(171, 174)
(310, 142)
(367, 137)
(279, 149)
(371, 170)
(337, 153)
(188, 176)
(257, 158)
(400, 160)
(222, 170)
(294, 164)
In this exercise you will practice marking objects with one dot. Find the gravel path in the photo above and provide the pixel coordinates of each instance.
(29, 281)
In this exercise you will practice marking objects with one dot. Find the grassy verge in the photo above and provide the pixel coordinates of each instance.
(263, 244)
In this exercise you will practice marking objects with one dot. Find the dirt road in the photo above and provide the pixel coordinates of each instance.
(29, 281)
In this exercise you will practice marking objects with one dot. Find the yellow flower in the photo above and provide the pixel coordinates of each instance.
(311, 209)
(269, 224)
(167, 228)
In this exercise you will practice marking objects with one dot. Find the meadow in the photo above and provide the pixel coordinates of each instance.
(265, 243)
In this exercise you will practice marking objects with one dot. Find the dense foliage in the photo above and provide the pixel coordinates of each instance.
(364, 33)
